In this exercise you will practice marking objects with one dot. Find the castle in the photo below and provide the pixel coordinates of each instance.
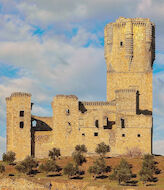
(123, 121)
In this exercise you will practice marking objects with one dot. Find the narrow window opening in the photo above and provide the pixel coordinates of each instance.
(123, 135)
(97, 123)
(83, 134)
(121, 44)
(122, 123)
(21, 113)
(95, 134)
(21, 124)
(138, 135)
(67, 111)
(69, 123)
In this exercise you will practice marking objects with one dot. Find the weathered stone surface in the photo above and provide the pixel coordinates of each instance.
(129, 53)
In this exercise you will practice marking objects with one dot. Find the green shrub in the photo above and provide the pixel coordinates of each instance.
(102, 149)
(99, 167)
(27, 165)
(49, 166)
(9, 157)
(55, 152)
(78, 154)
(148, 168)
(2, 168)
(122, 172)
(70, 170)
(81, 148)
(78, 158)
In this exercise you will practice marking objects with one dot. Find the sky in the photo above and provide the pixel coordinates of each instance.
(57, 47)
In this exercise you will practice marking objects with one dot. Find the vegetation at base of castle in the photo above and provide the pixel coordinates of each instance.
(54, 153)
(133, 152)
(78, 158)
(99, 167)
(122, 172)
(102, 149)
(27, 165)
(9, 157)
(71, 171)
(81, 148)
(49, 166)
(2, 168)
(78, 154)
(148, 169)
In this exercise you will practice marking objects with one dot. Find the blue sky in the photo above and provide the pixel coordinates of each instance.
(56, 47)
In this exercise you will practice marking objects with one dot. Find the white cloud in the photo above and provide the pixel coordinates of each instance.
(158, 147)
(66, 11)
(60, 64)
(160, 59)
(2, 146)
(13, 28)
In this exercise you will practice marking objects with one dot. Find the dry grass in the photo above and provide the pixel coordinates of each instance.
(112, 162)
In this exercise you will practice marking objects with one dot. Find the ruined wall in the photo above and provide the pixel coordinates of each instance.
(78, 127)
(129, 54)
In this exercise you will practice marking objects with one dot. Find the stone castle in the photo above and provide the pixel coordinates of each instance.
(123, 121)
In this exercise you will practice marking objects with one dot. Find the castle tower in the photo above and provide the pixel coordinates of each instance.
(65, 123)
(19, 124)
(129, 54)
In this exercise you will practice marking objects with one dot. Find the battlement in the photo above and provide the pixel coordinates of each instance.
(18, 94)
(126, 91)
(98, 103)
(66, 96)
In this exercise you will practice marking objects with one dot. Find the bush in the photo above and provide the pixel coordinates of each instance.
(27, 165)
(148, 168)
(78, 158)
(55, 152)
(81, 148)
(102, 149)
(2, 168)
(122, 172)
(98, 168)
(70, 170)
(9, 157)
(49, 166)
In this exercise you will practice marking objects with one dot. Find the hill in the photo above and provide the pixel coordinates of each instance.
(87, 180)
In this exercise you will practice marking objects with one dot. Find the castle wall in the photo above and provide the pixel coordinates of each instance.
(92, 134)
(43, 143)
(123, 122)
(136, 134)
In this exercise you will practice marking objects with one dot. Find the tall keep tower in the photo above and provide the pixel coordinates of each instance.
(129, 54)
(19, 124)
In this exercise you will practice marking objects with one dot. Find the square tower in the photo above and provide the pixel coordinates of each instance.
(129, 54)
